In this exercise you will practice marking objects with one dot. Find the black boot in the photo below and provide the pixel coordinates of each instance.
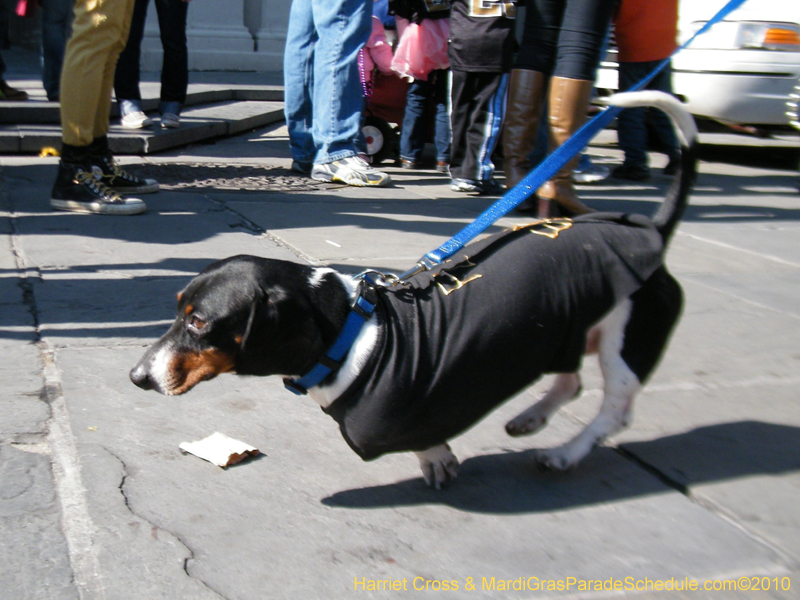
(115, 177)
(78, 189)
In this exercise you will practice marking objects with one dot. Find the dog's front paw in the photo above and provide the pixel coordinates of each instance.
(439, 466)
(555, 459)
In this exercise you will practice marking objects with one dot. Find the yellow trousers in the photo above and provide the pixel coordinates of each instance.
(99, 34)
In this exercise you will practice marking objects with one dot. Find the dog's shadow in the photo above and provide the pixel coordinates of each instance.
(510, 483)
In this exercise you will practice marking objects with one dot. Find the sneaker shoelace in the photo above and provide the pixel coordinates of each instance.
(117, 171)
(97, 186)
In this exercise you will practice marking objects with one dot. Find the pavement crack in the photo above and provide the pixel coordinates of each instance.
(121, 486)
(240, 220)
(245, 223)
(155, 527)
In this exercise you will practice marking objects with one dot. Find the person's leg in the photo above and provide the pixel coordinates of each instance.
(442, 134)
(100, 29)
(460, 97)
(56, 29)
(495, 91)
(526, 101)
(666, 140)
(105, 92)
(527, 95)
(631, 131)
(6, 91)
(298, 80)
(127, 73)
(414, 127)
(581, 36)
(343, 27)
(175, 68)
(483, 128)
(539, 47)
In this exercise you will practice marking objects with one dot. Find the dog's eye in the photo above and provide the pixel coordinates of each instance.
(197, 323)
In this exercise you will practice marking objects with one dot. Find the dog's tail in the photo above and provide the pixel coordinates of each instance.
(670, 213)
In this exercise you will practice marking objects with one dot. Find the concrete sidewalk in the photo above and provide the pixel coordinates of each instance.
(96, 501)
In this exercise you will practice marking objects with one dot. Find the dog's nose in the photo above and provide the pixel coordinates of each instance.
(141, 377)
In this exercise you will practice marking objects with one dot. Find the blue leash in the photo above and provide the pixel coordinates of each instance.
(548, 167)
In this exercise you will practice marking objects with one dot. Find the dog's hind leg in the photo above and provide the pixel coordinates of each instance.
(566, 387)
(620, 386)
(439, 465)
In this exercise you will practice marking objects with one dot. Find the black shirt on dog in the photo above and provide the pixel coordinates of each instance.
(462, 338)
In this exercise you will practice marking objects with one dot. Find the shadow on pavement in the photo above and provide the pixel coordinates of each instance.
(509, 483)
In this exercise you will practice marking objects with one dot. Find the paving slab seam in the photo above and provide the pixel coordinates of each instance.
(706, 503)
(26, 273)
(742, 299)
(789, 561)
(26, 441)
(761, 255)
(189, 550)
(706, 386)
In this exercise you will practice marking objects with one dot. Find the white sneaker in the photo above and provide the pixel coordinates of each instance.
(351, 171)
(170, 121)
(136, 120)
(591, 174)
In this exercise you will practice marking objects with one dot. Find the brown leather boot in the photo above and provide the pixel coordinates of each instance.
(568, 101)
(526, 93)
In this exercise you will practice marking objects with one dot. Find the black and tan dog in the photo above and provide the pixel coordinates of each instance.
(445, 348)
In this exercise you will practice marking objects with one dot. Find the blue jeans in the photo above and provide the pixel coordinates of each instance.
(414, 130)
(632, 133)
(323, 95)
(175, 66)
(56, 29)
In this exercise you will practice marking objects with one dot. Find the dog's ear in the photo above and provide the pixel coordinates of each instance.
(263, 301)
(253, 309)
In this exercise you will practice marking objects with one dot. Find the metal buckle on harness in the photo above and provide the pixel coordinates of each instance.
(376, 279)
(387, 280)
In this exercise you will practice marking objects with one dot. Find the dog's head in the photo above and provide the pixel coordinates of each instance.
(244, 314)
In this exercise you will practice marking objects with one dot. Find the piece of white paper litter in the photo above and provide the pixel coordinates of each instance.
(220, 449)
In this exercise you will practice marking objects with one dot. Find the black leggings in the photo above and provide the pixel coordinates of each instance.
(564, 37)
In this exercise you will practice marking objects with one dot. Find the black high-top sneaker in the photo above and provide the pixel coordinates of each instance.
(77, 189)
(114, 176)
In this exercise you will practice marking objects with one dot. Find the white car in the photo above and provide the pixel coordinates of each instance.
(743, 70)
